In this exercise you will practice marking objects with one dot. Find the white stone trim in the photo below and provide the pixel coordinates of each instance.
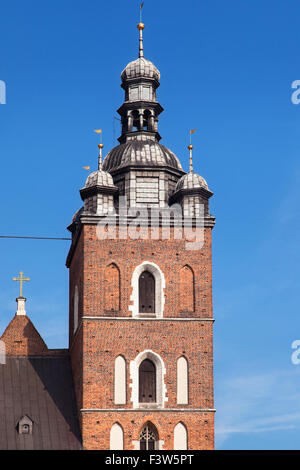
(116, 437)
(161, 390)
(160, 285)
(120, 381)
(180, 437)
(182, 381)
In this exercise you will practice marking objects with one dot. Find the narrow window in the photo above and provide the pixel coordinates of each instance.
(146, 293)
(148, 437)
(147, 382)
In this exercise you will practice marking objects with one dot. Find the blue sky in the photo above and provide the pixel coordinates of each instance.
(226, 69)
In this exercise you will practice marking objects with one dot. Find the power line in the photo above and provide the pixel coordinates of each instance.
(35, 238)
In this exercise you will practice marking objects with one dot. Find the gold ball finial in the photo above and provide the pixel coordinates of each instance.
(100, 146)
(140, 26)
(190, 147)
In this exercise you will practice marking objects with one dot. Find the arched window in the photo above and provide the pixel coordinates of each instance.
(136, 119)
(120, 381)
(180, 437)
(152, 372)
(147, 290)
(147, 118)
(75, 311)
(146, 293)
(182, 381)
(149, 437)
(147, 382)
(112, 288)
(187, 288)
(116, 437)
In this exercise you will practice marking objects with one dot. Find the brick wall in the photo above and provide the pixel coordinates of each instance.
(100, 267)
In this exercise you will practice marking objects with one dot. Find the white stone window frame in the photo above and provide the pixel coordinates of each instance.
(160, 285)
(161, 389)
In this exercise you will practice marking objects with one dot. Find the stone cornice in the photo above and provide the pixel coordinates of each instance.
(147, 410)
(140, 104)
(206, 193)
(94, 190)
(149, 319)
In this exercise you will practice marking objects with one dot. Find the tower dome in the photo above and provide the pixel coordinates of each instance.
(141, 153)
(140, 67)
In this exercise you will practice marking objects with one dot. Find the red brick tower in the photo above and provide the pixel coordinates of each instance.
(141, 321)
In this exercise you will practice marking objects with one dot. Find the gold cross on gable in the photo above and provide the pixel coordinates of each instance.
(21, 279)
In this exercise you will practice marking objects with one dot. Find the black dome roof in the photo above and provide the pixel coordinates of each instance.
(141, 153)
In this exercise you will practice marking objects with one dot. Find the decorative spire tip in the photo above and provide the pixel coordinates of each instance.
(190, 147)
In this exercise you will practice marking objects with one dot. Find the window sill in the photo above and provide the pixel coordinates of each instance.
(148, 406)
(147, 315)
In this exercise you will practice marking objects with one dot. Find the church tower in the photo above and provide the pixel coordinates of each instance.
(141, 320)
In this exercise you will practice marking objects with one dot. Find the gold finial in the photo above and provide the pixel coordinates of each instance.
(190, 147)
(21, 279)
(140, 26)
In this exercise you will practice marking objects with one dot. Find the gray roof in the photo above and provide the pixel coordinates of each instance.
(40, 388)
(191, 181)
(140, 67)
(99, 178)
(140, 152)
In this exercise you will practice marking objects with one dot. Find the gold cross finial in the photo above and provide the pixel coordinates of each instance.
(21, 279)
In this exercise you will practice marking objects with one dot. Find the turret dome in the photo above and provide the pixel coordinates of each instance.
(191, 180)
(140, 68)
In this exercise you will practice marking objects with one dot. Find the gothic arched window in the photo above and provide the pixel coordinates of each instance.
(148, 437)
(148, 284)
(146, 293)
(147, 382)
